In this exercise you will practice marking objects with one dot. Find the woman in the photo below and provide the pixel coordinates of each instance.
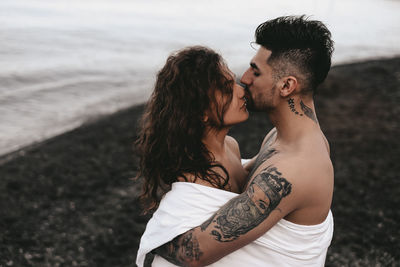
(184, 147)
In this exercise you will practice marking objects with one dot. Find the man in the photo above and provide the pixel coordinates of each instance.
(291, 178)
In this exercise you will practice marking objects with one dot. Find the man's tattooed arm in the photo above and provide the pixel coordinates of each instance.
(234, 220)
(248, 210)
(181, 250)
(265, 153)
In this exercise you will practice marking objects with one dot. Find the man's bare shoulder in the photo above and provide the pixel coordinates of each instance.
(306, 174)
(270, 137)
(311, 177)
(305, 167)
(312, 180)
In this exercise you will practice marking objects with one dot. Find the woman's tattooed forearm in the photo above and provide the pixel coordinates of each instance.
(248, 210)
(182, 249)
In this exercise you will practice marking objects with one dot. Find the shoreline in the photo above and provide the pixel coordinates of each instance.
(71, 200)
(6, 156)
(20, 152)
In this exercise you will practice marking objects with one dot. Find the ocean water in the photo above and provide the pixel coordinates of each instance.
(65, 62)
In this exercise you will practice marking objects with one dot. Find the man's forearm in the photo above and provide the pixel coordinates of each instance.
(248, 210)
(183, 250)
(235, 219)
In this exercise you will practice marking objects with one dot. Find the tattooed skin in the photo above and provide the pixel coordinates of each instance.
(183, 248)
(292, 107)
(239, 216)
(265, 153)
(248, 210)
(308, 111)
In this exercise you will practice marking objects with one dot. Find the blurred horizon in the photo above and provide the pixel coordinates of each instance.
(67, 62)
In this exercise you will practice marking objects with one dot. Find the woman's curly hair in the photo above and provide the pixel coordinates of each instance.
(170, 140)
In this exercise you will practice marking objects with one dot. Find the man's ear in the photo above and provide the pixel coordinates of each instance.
(290, 85)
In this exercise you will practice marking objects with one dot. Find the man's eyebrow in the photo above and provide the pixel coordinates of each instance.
(254, 66)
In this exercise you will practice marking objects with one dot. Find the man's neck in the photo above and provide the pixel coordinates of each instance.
(294, 118)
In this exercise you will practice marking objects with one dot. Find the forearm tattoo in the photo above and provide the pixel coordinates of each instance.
(248, 210)
(239, 216)
(307, 111)
(182, 249)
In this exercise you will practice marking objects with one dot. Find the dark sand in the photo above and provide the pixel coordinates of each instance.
(70, 201)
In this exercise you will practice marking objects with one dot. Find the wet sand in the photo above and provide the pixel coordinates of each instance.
(71, 200)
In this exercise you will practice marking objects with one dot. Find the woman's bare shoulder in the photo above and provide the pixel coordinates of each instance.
(233, 145)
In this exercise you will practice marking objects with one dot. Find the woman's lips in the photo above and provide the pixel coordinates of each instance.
(245, 103)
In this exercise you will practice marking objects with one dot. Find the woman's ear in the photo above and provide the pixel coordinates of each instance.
(290, 84)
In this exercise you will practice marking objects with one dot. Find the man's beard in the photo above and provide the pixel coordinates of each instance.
(252, 105)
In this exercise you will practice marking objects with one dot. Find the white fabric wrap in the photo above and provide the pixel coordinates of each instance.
(188, 205)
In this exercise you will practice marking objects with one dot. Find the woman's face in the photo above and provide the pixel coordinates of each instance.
(236, 111)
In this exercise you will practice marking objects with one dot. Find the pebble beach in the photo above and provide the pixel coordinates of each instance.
(71, 201)
(74, 79)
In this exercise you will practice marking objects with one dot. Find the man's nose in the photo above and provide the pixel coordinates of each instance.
(246, 80)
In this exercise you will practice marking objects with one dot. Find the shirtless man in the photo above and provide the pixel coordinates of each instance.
(291, 178)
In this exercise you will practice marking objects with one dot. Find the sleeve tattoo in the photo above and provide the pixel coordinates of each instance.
(239, 216)
(248, 210)
(183, 248)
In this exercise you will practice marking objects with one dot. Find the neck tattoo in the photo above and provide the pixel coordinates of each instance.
(307, 110)
(292, 107)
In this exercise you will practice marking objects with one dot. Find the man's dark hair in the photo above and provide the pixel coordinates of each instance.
(300, 47)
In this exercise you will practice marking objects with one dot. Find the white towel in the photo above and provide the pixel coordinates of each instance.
(188, 205)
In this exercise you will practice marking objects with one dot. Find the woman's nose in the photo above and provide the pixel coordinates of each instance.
(240, 90)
